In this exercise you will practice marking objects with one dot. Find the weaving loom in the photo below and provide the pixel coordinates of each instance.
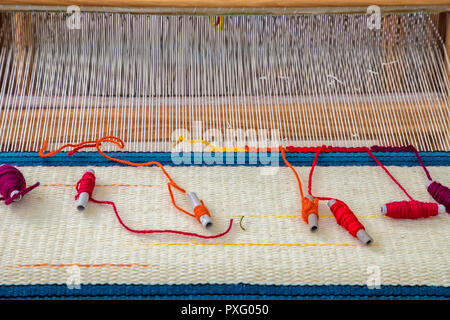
(223, 78)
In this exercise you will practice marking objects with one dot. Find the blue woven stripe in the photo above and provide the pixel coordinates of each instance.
(224, 291)
(231, 297)
(251, 159)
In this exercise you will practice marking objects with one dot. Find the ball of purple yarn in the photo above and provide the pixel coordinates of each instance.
(440, 193)
(10, 179)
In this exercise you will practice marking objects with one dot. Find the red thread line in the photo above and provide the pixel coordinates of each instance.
(87, 184)
(189, 234)
(398, 210)
(311, 172)
(389, 174)
(409, 148)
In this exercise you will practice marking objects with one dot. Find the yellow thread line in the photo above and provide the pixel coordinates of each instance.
(51, 265)
(208, 144)
(250, 244)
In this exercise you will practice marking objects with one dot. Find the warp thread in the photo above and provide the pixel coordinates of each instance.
(12, 180)
(411, 209)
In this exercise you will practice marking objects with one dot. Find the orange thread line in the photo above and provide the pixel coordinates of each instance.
(250, 244)
(129, 265)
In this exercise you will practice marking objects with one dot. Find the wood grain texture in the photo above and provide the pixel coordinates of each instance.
(230, 3)
(384, 123)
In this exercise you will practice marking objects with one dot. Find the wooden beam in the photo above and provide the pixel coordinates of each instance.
(378, 122)
(230, 3)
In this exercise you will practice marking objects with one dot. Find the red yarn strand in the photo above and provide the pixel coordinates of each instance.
(311, 172)
(389, 174)
(409, 148)
(188, 234)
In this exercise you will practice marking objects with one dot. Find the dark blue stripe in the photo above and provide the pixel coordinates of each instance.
(248, 159)
(224, 291)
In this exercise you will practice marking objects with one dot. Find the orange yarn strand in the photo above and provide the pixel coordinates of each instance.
(308, 206)
(172, 198)
(52, 153)
(119, 143)
(283, 155)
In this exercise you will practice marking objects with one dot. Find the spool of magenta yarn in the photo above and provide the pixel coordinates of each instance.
(12, 184)
(440, 193)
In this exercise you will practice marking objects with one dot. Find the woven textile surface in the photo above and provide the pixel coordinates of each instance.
(43, 237)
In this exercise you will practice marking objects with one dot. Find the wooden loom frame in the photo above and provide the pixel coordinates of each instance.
(146, 120)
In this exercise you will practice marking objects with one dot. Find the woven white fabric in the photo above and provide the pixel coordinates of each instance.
(43, 235)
